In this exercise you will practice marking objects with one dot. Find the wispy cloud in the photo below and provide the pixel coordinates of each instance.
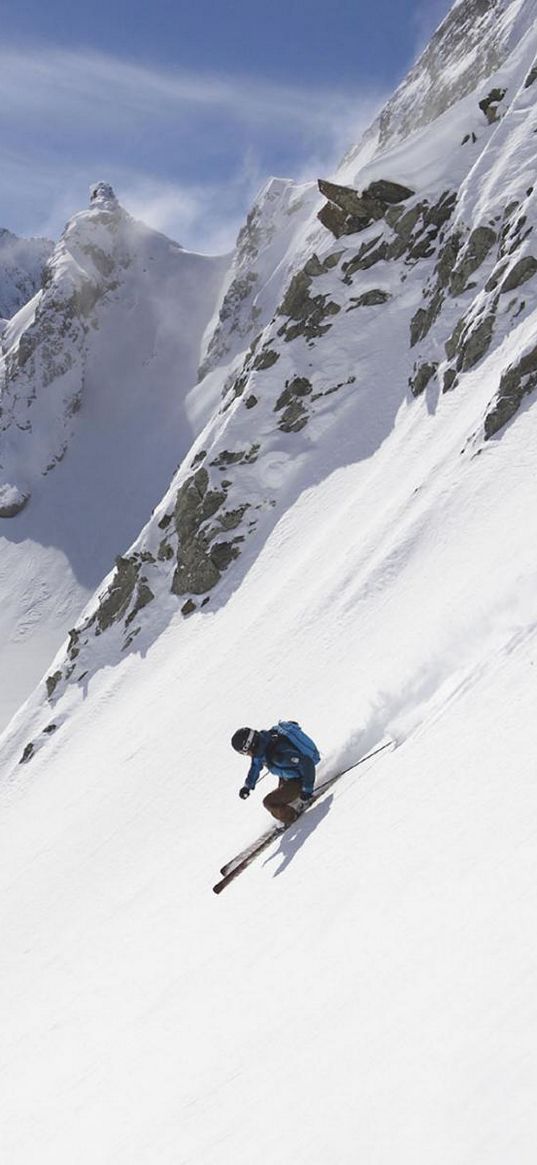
(188, 149)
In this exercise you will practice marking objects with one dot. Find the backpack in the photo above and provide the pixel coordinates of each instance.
(291, 731)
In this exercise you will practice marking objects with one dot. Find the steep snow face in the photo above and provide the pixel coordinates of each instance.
(402, 285)
(94, 420)
(350, 540)
(22, 262)
(469, 46)
(262, 264)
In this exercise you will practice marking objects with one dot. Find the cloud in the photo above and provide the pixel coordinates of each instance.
(190, 150)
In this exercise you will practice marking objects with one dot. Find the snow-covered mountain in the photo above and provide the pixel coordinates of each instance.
(22, 263)
(348, 539)
(94, 379)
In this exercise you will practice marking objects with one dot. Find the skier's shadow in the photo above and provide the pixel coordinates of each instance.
(295, 837)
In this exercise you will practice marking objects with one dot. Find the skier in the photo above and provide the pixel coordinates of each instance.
(286, 751)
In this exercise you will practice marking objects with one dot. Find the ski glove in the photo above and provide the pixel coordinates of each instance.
(244, 792)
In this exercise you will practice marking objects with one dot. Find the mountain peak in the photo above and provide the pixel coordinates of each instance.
(103, 195)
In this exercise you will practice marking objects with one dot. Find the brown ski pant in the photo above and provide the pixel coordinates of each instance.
(278, 802)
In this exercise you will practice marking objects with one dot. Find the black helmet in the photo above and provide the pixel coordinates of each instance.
(245, 740)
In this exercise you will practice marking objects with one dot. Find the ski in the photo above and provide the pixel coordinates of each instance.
(241, 861)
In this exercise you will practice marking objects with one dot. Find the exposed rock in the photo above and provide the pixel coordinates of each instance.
(265, 359)
(450, 380)
(476, 344)
(52, 682)
(294, 418)
(368, 256)
(447, 258)
(119, 594)
(196, 571)
(518, 381)
(424, 318)
(144, 595)
(522, 271)
(497, 274)
(309, 311)
(531, 77)
(201, 560)
(452, 345)
(388, 192)
(28, 753)
(102, 195)
(314, 267)
(300, 386)
(423, 373)
(295, 415)
(489, 104)
(229, 457)
(165, 551)
(369, 298)
(348, 211)
(473, 254)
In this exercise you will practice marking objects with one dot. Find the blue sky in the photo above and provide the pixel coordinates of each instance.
(187, 108)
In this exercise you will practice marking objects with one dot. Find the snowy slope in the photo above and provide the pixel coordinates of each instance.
(94, 419)
(22, 263)
(349, 540)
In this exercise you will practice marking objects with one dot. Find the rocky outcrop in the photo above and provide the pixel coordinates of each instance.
(421, 376)
(292, 400)
(309, 313)
(200, 519)
(517, 382)
(522, 271)
(489, 104)
(369, 298)
(347, 211)
(471, 256)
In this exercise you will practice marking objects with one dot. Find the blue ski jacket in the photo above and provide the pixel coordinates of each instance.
(284, 760)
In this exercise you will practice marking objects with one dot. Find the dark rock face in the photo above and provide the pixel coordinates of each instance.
(423, 373)
(424, 318)
(291, 400)
(119, 593)
(531, 77)
(369, 299)
(472, 255)
(517, 382)
(489, 104)
(470, 341)
(308, 311)
(347, 211)
(475, 344)
(522, 271)
(416, 230)
(265, 359)
(200, 557)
